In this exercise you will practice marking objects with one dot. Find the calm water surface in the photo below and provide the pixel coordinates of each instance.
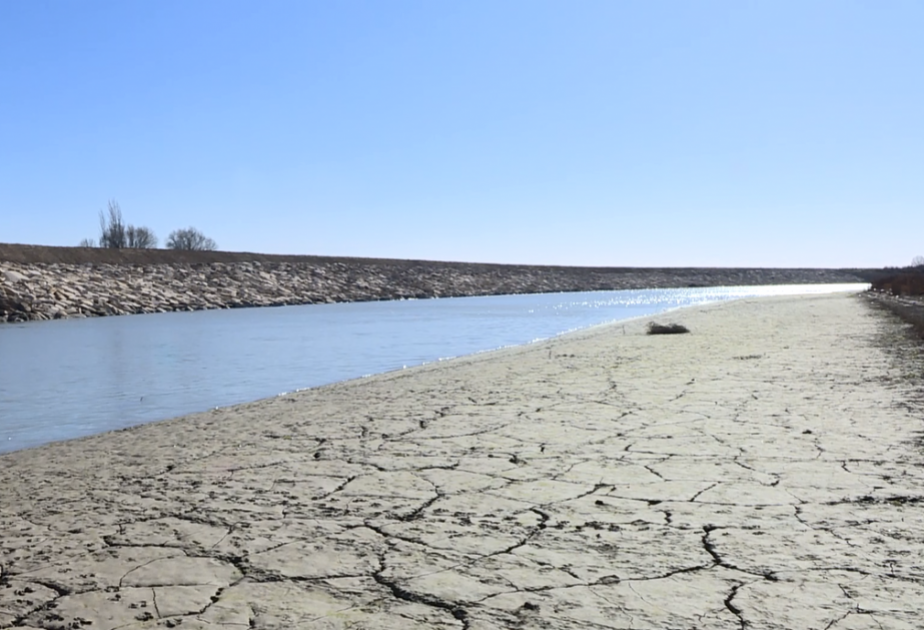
(71, 378)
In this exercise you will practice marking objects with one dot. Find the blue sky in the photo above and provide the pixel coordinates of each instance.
(616, 133)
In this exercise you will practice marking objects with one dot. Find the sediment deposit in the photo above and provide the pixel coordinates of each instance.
(135, 284)
(761, 472)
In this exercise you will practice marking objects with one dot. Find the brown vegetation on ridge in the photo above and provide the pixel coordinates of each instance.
(47, 254)
(904, 283)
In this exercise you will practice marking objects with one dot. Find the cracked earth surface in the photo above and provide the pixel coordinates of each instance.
(761, 472)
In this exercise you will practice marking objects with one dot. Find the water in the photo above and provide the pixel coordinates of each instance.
(71, 378)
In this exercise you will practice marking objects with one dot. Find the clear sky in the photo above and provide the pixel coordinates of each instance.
(612, 132)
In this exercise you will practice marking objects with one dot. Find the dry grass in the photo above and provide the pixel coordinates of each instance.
(909, 310)
(901, 293)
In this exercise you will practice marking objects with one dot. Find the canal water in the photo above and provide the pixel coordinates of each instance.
(70, 378)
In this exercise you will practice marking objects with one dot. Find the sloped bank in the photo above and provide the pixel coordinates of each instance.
(39, 283)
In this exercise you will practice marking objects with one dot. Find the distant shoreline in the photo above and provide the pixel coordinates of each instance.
(43, 282)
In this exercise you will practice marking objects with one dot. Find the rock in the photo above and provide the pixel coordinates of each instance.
(12, 277)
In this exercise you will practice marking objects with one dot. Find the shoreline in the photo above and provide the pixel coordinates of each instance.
(760, 470)
(88, 414)
(487, 353)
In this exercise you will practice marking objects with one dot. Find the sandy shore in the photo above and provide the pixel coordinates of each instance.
(761, 472)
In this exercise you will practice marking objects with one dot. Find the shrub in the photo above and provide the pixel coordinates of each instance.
(666, 329)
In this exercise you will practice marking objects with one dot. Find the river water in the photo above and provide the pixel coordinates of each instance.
(70, 378)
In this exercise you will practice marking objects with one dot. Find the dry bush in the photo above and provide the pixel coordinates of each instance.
(666, 329)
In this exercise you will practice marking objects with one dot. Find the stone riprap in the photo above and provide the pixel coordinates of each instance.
(762, 472)
(40, 291)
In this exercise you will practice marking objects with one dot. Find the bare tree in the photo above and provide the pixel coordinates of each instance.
(917, 261)
(140, 237)
(190, 238)
(112, 229)
(114, 233)
(87, 242)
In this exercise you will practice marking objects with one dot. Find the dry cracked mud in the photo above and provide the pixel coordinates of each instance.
(761, 472)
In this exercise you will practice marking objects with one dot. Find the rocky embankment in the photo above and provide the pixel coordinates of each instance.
(52, 289)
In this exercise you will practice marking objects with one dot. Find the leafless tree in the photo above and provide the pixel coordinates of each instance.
(112, 229)
(116, 234)
(917, 261)
(190, 238)
(87, 242)
(140, 237)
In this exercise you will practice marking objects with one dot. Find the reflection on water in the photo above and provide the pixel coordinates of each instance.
(71, 378)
